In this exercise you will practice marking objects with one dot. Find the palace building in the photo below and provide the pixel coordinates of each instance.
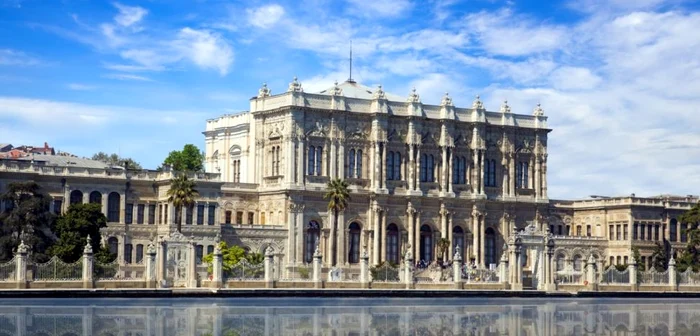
(419, 174)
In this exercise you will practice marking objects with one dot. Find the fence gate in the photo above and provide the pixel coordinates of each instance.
(179, 261)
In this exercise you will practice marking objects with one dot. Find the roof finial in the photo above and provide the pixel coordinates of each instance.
(350, 78)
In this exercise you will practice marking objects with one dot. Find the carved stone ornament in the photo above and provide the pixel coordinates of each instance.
(264, 91)
(477, 104)
(505, 108)
(446, 100)
(379, 93)
(295, 86)
(269, 251)
(358, 133)
(336, 91)
(88, 246)
(413, 97)
(319, 131)
(151, 248)
(538, 111)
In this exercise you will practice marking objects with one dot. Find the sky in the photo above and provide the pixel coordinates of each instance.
(619, 80)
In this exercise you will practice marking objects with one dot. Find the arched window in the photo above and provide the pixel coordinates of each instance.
(76, 197)
(397, 166)
(354, 243)
(113, 207)
(559, 266)
(358, 163)
(423, 168)
(313, 229)
(390, 166)
(351, 163)
(392, 244)
(319, 160)
(312, 160)
(426, 243)
(96, 197)
(490, 247)
(577, 263)
(113, 245)
(673, 230)
(457, 241)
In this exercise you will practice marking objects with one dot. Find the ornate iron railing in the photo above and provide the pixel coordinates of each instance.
(653, 276)
(385, 273)
(613, 276)
(7, 270)
(244, 270)
(57, 270)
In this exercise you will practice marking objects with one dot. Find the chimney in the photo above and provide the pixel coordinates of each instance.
(46, 145)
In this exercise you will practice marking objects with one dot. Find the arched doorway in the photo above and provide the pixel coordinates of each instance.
(426, 244)
(76, 197)
(490, 247)
(457, 241)
(392, 243)
(354, 243)
(313, 229)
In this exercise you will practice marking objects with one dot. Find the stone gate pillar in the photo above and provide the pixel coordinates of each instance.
(457, 268)
(549, 269)
(408, 270)
(150, 263)
(21, 265)
(590, 274)
(632, 268)
(503, 267)
(672, 274)
(269, 255)
(191, 264)
(88, 264)
(318, 283)
(217, 267)
(364, 269)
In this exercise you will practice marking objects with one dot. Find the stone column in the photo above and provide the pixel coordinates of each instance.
(417, 175)
(382, 162)
(672, 274)
(408, 270)
(340, 252)
(341, 159)
(292, 235)
(416, 231)
(331, 257)
(150, 264)
(374, 170)
(21, 265)
(457, 268)
(482, 153)
(538, 187)
(450, 234)
(632, 267)
(382, 236)
(450, 169)
(66, 200)
(544, 176)
(511, 174)
(269, 277)
(482, 233)
(443, 177)
(122, 207)
(301, 161)
(364, 269)
(410, 212)
(443, 222)
(590, 274)
(377, 238)
(318, 282)
(503, 267)
(160, 262)
(333, 174)
(191, 265)
(88, 264)
(475, 172)
(475, 235)
(410, 171)
(505, 176)
(121, 249)
(299, 227)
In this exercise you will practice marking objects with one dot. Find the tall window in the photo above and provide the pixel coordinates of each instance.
(684, 233)
(490, 173)
(634, 231)
(673, 230)
(239, 217)
(423, 168)
(559, 264)
(96, 197)
(319, 164)
(275, 153)
(351, 163)
(459, 167)
(200, 214)
(189, 213)
(649, 236)
(358, 163)
(625, 235)
(139, 213)
(129, 214)
(128, 249)
(578, 230)
(354, 243)
(426, 243)
(212, 214)
(311, 240)
(577, 263)
(199, 253)
(76, 197)
(57, 204)
(427, 168)
(397, 166)
(588, 231)
(236, 171)
(113, 207)
(656, 232)
(262, 217)
(522, 175)
(151, 214)
(457, 241)
(210, 249)
(113, 245)
(139, 253)
(392, 244)
(619, 232)
(311, 169)
(490, 247)
(611, 232)
(227, 217)
(642, 232)
(390, 166)
(251, 218)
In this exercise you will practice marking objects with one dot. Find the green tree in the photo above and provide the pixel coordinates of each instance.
(230, 257)
(182, 193)
(689, 257)
(73, 228)
(116, 160)
(338, 196)
(660, 257)
(26, 217)
(443, 245)
(638, 258)
(189, 159)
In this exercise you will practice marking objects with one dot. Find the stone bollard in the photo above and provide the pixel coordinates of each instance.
(672, 274)
(318, 283)
(269, 255)
(150, 271)
(408, 271)
(364, 269)
(590, 274)
(21, 265)
(457, 269)
(633, 274)
(217, 268)
(88, 279)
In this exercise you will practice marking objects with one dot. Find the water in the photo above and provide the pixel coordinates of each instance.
(229, 317)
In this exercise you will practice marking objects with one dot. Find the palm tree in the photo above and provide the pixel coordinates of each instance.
(338, 195)
(181, 194)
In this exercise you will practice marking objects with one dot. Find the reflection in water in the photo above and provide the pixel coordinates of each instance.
(480, 317)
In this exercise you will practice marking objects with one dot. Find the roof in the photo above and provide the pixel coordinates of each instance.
(65, 161)
(353, 89)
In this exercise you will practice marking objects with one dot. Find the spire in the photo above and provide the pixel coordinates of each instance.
(350, 80)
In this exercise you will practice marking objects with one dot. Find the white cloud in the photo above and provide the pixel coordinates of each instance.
(121, 76)
(265, 16)
(380, 8)
(206, 49)
(16, 58)
(567, 78)
(80, 87)
(129, 16)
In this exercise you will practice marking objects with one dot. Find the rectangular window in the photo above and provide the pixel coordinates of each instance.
(165, 213)
(619, 232)
(578, 230)
(588, 230)
(212, 213)
(129, 213)
(160, 213)
(634, 232)
(139, 213)
(139, 253)
(649, 236)
(624, 232)
(200, 214)
(641, 232)
(656, 232)
(188, 215)
(684, 234)
(199, 252)
(251, 218)
(127, 253)
(228, 217)
(612, 232)
(151, 214)
(210, 249)
(57, 204)
(239, 217)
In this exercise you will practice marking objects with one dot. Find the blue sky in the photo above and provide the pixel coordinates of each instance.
(619, 80)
